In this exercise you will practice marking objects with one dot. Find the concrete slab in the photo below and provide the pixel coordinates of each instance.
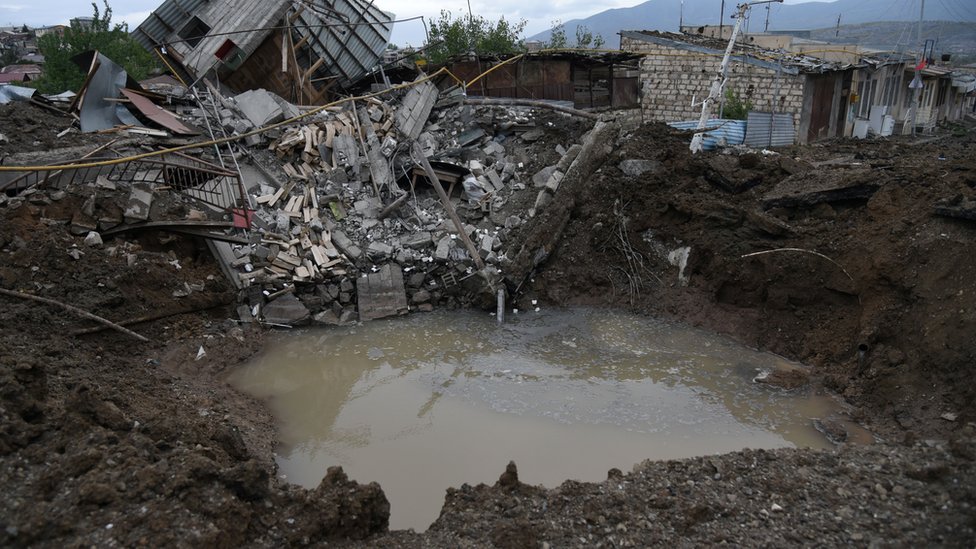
(140, 201)
(260, 107)
(382, 294)
(287, 310)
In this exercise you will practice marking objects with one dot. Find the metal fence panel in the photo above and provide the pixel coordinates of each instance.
(769, 130)
(726, 132)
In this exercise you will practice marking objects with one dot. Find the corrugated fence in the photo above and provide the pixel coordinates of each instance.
(726, 132)
(769, 130)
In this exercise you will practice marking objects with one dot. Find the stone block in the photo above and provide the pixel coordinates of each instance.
(379, 251)
(346, 246)
(287, 310)
(418, 240)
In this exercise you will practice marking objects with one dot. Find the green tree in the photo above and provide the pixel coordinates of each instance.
(585, 38)
(450, 37)
(557, 37)
(735, 108)
(113, 41)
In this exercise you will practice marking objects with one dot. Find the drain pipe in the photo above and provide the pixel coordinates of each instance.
(501, 305)
(862, 351)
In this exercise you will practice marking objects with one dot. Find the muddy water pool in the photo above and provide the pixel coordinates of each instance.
(425, 402)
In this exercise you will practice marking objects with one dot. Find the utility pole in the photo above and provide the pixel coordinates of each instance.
(681, 17)
(916, 84)
(721, 20)
(718, 85)
(766, 28)
(837, 30)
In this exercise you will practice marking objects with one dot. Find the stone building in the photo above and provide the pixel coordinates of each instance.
(829, 91)
(677, 71)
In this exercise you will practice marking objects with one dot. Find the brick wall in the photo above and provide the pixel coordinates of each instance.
(671, 78)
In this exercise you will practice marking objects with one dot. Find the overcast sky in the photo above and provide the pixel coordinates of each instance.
(539, 15)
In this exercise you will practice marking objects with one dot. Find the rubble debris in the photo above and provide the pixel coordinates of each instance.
(156, 113)
(105, 79)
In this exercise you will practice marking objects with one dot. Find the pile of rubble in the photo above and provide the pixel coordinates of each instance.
(339, 222)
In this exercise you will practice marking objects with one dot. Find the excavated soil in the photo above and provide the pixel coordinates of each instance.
(106, 440)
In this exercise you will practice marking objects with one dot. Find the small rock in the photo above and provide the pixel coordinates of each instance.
(93, 239)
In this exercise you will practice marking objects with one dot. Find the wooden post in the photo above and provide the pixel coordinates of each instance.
(418, 156)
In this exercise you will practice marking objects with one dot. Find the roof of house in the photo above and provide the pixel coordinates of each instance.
(21, 69)
(6, 78)
(779, 60)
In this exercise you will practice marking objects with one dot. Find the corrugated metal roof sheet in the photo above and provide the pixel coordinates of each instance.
(351, 50)
(728, 132)
(766, 129)
(168, 18)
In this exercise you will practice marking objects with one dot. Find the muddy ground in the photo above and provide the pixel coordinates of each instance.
(106, 440)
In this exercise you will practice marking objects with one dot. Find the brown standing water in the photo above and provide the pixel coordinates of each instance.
(425, 402)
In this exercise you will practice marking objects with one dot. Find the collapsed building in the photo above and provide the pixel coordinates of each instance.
(298, 50)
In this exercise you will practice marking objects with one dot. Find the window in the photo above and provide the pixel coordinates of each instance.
(866, 90)
(891, 86)
(194, 31)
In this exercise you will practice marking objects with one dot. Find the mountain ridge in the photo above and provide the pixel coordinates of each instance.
(665, 15)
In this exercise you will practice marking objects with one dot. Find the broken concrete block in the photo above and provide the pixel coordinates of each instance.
(369, 207)
(420, 296)
(637, 168)
(493, 148)
(93, 239)
(416, 280)
(244, 313)
(287, 310)
(327, 317)
(260, 107)
(543, 199)
(444, 246)
(418, 240)
(381, 294)
(140, 201)
(554, 180)
(533, 135)
(540, 178)
(560, 150)
(484, 248)
(495, 179)
(346, 246)
(82, 224)
(512, 221)
(282, 222)
(567, 160)
(348, 317)
(379, 251)
(477, 168)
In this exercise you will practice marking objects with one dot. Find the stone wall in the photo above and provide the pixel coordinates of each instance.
(673, 78)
